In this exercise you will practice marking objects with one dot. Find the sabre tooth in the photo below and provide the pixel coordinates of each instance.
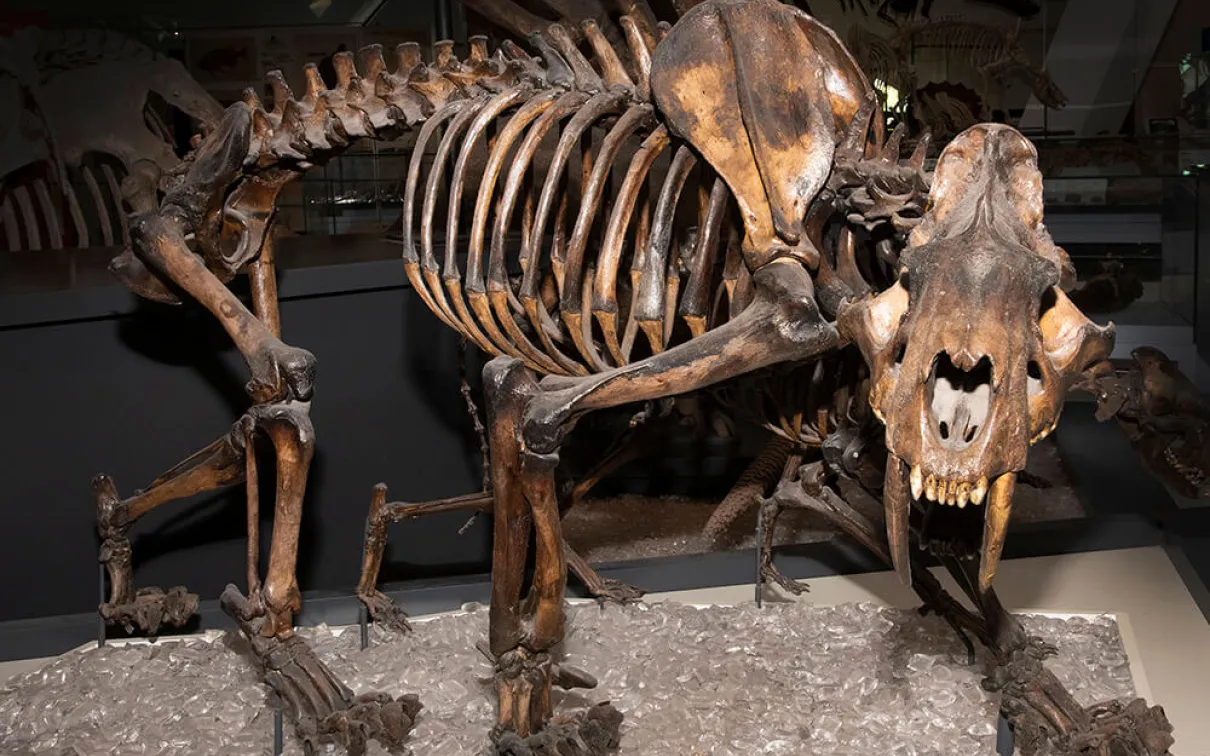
(917, 481)
(964, 492)
(930, 488)
(897, 504)
(979, 490)
(995, 527)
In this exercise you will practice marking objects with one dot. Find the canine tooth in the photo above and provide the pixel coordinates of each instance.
(930, 488)
(897, 509)
(979, 490)
(964, 491)
(917, 481)
(995, 526)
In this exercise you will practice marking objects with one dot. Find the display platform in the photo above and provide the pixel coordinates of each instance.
(846, 665)
(785, 678)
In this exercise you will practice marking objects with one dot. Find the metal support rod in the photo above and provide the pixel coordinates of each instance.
(101, 591)
(760, 553)
(1005, 744)
(277, 729)
(443, 26)
(363, 622)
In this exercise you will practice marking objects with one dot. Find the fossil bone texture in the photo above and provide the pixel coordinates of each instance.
(711, 216)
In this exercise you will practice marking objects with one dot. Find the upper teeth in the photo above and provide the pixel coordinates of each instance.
(948, 492)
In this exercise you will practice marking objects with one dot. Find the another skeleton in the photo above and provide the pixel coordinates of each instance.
(783, 139)
(993, 53)
(75, 137)
(1162, 413)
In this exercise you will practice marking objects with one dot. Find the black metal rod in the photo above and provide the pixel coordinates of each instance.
(363, 621)
(101, 592)
(442, 23)
(277, 729)
(760, 553)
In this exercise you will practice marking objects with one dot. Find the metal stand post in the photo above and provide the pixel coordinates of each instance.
(277, 729)
(1005, 746)
(760, 553)
(101, 593)
(363, 620)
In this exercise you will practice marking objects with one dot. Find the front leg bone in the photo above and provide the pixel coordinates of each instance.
(218, 465)
(278, 371)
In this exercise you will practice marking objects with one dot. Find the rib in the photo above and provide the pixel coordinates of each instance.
(421, 274)
(8, 218)
(516, 125)
(116, 193)
(649, 307)
(605, 300)
(605, 288)
(635, 118)
(54, 229)
(26, 206)
(592, 110)
(694, 305)
(453, 281)
(77, 214)
(497, 277)
(846, 264)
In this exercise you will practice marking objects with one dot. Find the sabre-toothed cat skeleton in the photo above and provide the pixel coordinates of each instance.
(815, 266)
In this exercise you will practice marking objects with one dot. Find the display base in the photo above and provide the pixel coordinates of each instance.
(789, 678)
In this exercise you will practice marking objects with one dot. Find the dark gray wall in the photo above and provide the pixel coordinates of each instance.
(130, 388)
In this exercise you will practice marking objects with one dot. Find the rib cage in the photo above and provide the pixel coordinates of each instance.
(40, 211)
(548, 240)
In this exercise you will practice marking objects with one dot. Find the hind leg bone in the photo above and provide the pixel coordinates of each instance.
(528, 422)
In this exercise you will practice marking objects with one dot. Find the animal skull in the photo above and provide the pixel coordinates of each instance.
(974, 348)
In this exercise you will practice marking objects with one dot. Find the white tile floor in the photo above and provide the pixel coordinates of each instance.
(1167, 638)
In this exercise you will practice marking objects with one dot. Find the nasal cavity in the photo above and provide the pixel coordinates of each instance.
(960, 401)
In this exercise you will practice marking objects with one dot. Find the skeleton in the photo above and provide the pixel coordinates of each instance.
(1162, 413)
(816, 278)
(78, 134)
(992, 52)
